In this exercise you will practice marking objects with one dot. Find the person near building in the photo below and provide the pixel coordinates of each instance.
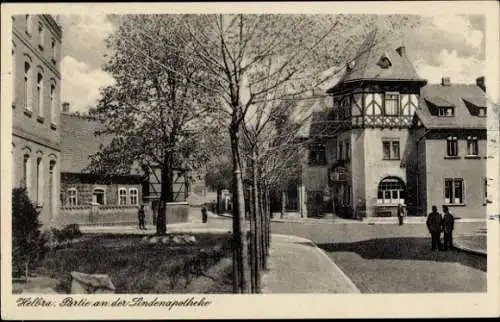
(401, 213)
(204, 214)
(434, 222)
(141, 215)
(448, 225)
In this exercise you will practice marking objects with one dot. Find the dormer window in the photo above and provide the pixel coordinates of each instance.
(384, 62)
(446, 111)
(482, 111)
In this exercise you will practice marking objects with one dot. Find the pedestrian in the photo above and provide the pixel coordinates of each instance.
(434, 225)
(448, 225)
(401, 213)
(141, 215)
(204, 215)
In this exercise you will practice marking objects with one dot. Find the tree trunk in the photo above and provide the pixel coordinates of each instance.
(166, 195)
(268, 211)
(262, 229)
(283, 196)
(240, 251)
(256, 227)
(217, 206)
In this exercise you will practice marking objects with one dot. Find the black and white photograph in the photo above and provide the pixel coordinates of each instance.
(168, 159)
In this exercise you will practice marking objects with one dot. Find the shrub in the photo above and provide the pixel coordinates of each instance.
(27, 240)
(69, 232)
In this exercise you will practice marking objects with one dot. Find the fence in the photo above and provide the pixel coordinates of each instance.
(177, 212)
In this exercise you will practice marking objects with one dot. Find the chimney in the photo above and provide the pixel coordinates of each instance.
(401, 51)
(445, 81)
(65, 107)
(480, 83)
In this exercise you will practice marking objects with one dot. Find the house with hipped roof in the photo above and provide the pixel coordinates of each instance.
(392, 139)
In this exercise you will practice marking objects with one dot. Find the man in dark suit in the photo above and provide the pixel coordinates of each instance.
(448, 225)
(434, 223)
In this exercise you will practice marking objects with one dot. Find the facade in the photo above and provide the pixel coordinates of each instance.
(89, 198)
(394, 139)
(36, 43)
(450, 150)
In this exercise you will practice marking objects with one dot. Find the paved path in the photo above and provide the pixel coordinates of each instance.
(296, 265)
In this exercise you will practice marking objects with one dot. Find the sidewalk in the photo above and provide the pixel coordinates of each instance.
(475, 244)
(297, 265)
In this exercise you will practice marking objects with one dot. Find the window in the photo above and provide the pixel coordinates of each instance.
(39, 181)
(72, 197)
(340, 151)
(446, 111)
(28, 24)
(40, 36)
(347, 150)
(392, 103)
(390, 150)
(134, 196)
(391, 191)
(99, 196)
(39, 93)
(52, 103)
(481, 111)
(317, 154)
(454, 191)
(452, 146)
(122, 196)
(52, 187)
(27, 86)
(472, 146)
(13, 75)
(54, 53)
(26, 173)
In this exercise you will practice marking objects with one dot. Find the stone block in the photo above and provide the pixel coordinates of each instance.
(82, 283)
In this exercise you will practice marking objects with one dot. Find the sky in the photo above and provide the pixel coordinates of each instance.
(450, 46)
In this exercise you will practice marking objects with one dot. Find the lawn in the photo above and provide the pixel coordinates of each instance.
(137, 266)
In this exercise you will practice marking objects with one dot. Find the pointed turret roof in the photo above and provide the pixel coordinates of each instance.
(374, 61)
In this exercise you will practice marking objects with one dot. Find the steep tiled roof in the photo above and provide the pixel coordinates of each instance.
(78, 142)
(366, 65)
(312, 113)
(456, 95)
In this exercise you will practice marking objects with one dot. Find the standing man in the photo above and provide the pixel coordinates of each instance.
(401, 213)
(448, 225)
(141, 214)
(434, 223)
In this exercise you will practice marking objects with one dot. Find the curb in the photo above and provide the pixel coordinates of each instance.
(472, 251)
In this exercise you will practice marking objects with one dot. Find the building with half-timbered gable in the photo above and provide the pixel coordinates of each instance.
(395, 140)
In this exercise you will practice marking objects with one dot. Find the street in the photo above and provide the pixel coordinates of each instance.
(387, 258)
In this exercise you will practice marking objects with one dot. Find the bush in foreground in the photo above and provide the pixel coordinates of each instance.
(27, 240)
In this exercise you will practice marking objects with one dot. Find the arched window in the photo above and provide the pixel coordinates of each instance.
(29, 24)
(39, 93)
(41, 36)
(134, 196)
(13, 75)
(28, 97)
(26, 182)
(53, 103)
(39, 180)
(122, 196)
(52, 186)
(391, 191)
(54, 50)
